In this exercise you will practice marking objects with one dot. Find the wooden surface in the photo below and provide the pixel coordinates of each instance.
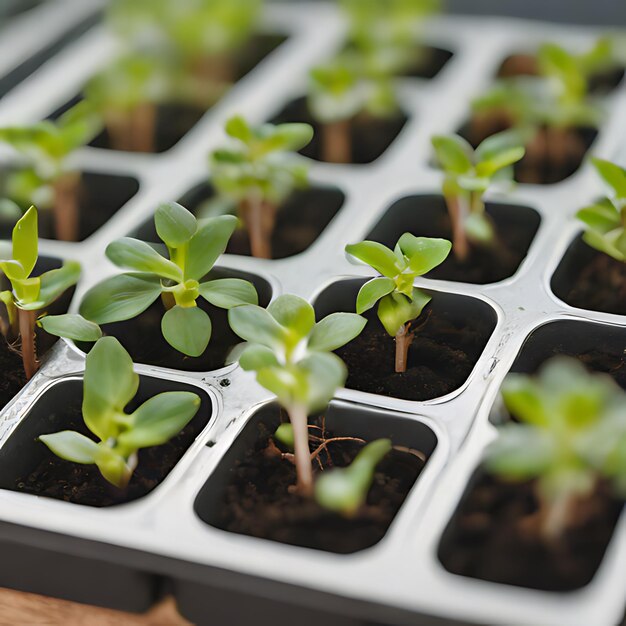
(27, 609)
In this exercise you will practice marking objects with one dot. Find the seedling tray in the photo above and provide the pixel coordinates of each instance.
(161, 541)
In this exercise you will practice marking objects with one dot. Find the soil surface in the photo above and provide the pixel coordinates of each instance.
(490, 537)
(441, 357)
(599, 285)
(13, 377)
(258, 501)
(53, 477)
(370, 136)
(427, 216)
(299, 221)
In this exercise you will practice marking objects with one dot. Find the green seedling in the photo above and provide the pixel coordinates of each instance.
(388, 30)
(399, 302)
(571, 433)
(468, 175)
(257, 174)
(201, 36)
(30, 295)
(109, 384)
(344, 490)
(292, 357)
(41, 173)
(351, 86)
(605, 220)
(178, 276)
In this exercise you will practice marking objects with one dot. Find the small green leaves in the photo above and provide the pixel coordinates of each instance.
(174, 224)
(227, 293)
(256, 325)
(284, 435)
(187, 329)
(344, 489)
(399, 302)
(109, 385)
(571, 423)
(605, 220)
(335, 330)
(207, 244)
(26, 241)
(454, 153)
(70, 326)
(139, 256)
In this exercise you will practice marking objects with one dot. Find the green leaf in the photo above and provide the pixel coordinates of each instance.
(113, 466)
(254, 323)
(325, 373)
(110, 383)
(137, 255)
(284, 435)
(120, 298)
(601, 217)
(396, 309)
(453, 153)
(238, 128)
(613, 174)
(372, 291)
(479, 228)
(256, 357)
(208, 244)
(381, 258)
(72, 446)
(159, 419)
(26, 241)
(175, 225)
(187, 329)
(293, 313)
(335, 330)
(70, 326)
(55, 282)
(424, 253)
(291, 137)
(227, 293)
(524, 400)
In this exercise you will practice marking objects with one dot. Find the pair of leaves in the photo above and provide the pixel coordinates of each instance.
(194, 247)
(398, 301)
(110, 383)
(291, 352)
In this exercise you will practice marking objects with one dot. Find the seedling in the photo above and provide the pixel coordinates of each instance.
(109, 384)
(399, 302)
(31, 295)
(258, 173)
(468, 175)
(41, 172)
(292, 357)
(572, 424)
(348, 87)
(605, 220)
(345, 489)
(179, 278)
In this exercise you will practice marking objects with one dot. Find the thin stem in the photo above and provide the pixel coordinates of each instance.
(143, 125)
(259, 217)
(66, 207)
(27, 333)
(404, 339)
(298, 417)
(337, 142)
(555, 515)
(457, 210)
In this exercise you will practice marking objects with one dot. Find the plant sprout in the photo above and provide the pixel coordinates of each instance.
(399, 302)
(193, 247)
(348, 87)
(292, 357)
(571, 423)
(468, 175)
(259, 172)
(41, 172)
(344, 489)
(605, 220)
(109, 384)
(30, 295)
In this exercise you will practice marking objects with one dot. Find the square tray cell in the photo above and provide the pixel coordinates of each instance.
(427, 216)
(452, 333)
(299, 222)
(248, 493)
(592, 280)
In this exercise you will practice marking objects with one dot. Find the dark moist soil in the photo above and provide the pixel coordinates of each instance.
(427, 216)
(299, 222)
(526, 65)
(599, 285)
(370, 136)
(441, 357)
(484, 538)
(174, 121)
(53, 477)
(257, 500)
(13, 378)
